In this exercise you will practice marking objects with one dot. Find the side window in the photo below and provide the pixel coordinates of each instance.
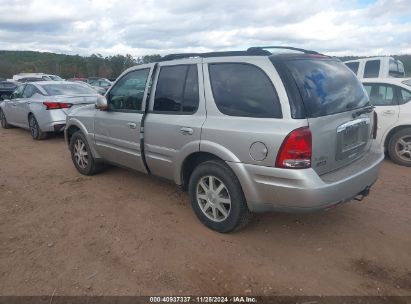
(243, 90)
(405, 96)
(177, 89)
(128, 92)
(18, 92)
(353, 66)
(372, 68)
(104, 84)
(29, 90)
(381, 95)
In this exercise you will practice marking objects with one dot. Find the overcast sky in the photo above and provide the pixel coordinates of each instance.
(108, 27)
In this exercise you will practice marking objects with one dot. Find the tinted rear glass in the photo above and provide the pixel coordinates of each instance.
(243, 90)
(67, 89)
(372, 69)
(353, 66)
(396, 68)
(327, 86)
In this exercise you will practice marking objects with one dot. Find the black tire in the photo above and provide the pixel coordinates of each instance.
(3, 120)
(92, 166)
(35, 131)
(238, 215)
(395, 146)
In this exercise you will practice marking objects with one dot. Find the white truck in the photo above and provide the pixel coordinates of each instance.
(376, 67)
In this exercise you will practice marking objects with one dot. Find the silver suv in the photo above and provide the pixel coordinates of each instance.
(245, 131)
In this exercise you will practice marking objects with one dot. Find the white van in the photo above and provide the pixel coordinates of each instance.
(376, 67)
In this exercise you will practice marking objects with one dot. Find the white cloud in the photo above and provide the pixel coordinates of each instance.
(165, 26)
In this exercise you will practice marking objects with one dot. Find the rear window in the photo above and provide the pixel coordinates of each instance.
(372, 69)
(67, 89)
(353, 66)
(396, 68)
(327, 87)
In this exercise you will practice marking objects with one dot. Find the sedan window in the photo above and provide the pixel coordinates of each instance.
(28, 91)
(380, 94)
(405, 96)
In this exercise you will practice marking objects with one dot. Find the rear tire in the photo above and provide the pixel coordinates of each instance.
(81, 155)
(217, 197)
(35, 131)
(3, 120)
(399, 147)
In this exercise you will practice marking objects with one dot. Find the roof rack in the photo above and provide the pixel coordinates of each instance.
(255, 48)
(256, 52)
(252, 51)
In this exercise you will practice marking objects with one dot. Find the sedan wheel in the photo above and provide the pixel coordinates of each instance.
(213, 198)
(403, 148)
(35, 131)
(3, 120)
(33, 127)
(399, 147)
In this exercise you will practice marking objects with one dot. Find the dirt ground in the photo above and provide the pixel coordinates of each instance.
(125, 233)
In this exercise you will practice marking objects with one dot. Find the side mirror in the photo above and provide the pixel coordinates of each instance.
(101, 103)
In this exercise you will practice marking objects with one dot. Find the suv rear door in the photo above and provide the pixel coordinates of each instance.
(117, 130)
(172, 128)
(337, 109)
(384, 98)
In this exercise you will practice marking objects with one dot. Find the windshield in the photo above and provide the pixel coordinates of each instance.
(67, 89)
(327, 86)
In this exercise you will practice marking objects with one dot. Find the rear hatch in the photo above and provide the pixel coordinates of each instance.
(337, 109)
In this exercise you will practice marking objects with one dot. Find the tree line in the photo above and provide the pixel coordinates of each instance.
(68, 66)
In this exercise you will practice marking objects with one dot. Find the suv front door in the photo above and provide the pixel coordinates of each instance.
(117, 130)
(176, 114)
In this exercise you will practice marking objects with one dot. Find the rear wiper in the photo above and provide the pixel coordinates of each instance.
(368, 109)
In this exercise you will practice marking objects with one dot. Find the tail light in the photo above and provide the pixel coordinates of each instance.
(52, 105)
(296, 150)
(375, 126)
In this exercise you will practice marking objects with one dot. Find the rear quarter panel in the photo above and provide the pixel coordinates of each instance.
(230, 137)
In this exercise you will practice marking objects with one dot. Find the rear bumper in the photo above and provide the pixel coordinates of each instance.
(275, 189)
(52, 121)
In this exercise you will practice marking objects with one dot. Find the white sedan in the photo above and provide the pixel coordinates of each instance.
(42, 106)
(392, 100)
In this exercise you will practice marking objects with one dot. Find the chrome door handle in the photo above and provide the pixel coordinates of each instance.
(186, 131)
(388, 112)
(132, 125)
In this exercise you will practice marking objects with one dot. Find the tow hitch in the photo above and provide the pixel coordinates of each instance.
(360, 196)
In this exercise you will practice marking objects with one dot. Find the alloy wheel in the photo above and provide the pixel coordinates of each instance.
(2, 119)
(33, 127)
(213, 198)
(80, 154)
(403, 148)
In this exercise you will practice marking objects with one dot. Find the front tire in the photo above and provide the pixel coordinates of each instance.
(3, 120)
(217, 197)
(35, 131)
(399, 147)
(81, 155)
